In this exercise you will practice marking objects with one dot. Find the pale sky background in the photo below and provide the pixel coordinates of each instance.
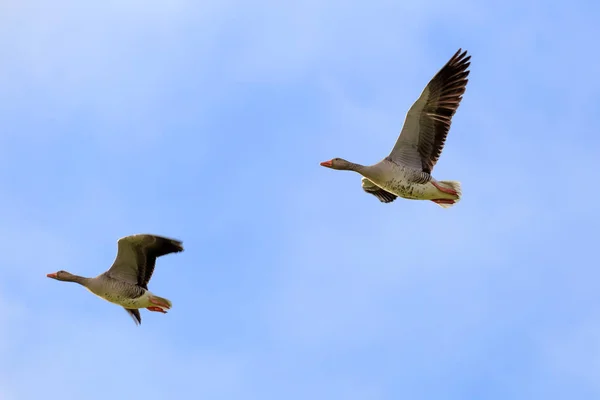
(206, 121)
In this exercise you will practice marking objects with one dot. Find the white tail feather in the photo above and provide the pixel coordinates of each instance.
(454, 185)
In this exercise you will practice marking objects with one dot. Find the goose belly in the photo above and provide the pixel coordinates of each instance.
(123, 300)
(412, 191)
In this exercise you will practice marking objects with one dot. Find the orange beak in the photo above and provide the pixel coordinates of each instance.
(52, 275)
(327, 164)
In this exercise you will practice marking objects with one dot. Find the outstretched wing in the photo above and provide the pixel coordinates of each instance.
(427, 123)
(136, 257)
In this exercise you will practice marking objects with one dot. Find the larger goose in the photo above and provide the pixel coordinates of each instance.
(126, 282)
(406, 172)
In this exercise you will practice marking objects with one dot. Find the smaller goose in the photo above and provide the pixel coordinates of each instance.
(406, 172)
(126, 282)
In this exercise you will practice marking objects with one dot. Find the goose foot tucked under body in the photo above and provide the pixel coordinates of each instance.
(444, 189)
(159, 303)
(156, 309)
(444, 201)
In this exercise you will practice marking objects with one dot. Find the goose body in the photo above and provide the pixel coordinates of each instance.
(400, 181)
(406, 171)
(121, 293)
(125, 283)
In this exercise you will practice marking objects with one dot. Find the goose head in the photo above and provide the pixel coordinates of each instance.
(339, 163)
(62, 276)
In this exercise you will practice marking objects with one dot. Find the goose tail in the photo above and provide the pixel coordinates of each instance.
(163, 303)
(452, 185)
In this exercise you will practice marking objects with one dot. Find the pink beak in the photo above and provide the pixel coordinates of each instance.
(327, 164)
(51, 275)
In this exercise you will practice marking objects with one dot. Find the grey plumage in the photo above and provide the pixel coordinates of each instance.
(406, 171)
(126, 281)
(427, 122)
(383, 195)
(136, 257)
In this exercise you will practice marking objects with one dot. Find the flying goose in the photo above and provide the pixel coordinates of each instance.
(126, 282)
(406, 172)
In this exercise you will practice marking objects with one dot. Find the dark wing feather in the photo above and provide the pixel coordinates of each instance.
(427, 123)
(135, 315)
(383, 195)
(149, 250)
(136, 257)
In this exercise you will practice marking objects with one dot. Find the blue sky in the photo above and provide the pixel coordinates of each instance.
(207, 122)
